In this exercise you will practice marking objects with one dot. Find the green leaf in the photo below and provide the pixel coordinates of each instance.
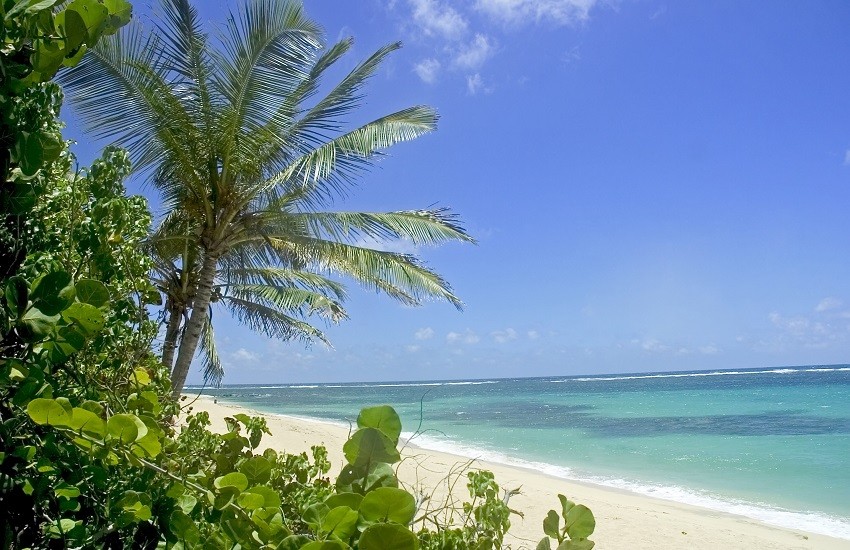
(340, 522)
(294, 542)
(85, 317)
(544, 544)
(36, 326)
(550, 524)
(388, 536)
(68, 341)
(93, 16)
(48, 411)
(584, 544)
(120, 13)
(314, 514)
(388, 504)
(369, 445)
(250, 501)
(580, 522)
(64, 490)
(150, 444)
(52, 293)
(17, 294)
(233, 479)
(183, 527)
(566, 505)
(352, 500)
(271, 498)
(383, 418)
(92, 292)
(124, 427)
(322, 545)
(257, 469)
(87, 422)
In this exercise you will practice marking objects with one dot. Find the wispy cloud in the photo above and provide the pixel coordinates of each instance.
(502, 336)
(533, 335)
(243, 354)
(473, 55)
(424, 333)
(427, 70)
(847, 158)
(828, 304)
(518, 12)
(467, 337)
(436, 18)
(474, 83)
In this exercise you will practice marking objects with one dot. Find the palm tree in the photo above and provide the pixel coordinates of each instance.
(240, 146)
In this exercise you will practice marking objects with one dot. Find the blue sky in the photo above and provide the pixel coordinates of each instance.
(654, 186)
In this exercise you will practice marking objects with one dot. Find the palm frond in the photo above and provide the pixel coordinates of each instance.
(417, 226)
(212, 368)
(266, 53)
(289, 299)
(331, 168)
(400, 276)
(273, 323)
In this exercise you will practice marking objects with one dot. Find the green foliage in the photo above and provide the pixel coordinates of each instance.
(579, 524)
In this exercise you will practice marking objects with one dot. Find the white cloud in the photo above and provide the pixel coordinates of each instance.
(243, 354)
(828, 304)
(710, 349)
(533, 335)
(516, 12)
(502, 336)
(434, 18)
(467, 337)
(401, 246)
(413, 349)
(424, 333)
(474, 83)
(653, 345)
(427, 70)
(475, 53)
(847, 158)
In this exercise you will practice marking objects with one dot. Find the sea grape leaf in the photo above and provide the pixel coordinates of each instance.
(87, 422)
(583, 544)
(53, 292)
(369, 445)
(294, 542)
(92, 14)
(257, 469)
(388, 504)
(321, 545)
(36, 325)
(85, 317)
(183, 527)
(544, 544)
(383, 418)
(271, 498)
(550, 524)
(250, 501)
(92, 292)
(124, 427)
(566, 505)
(17, 295)
(313, 515)
(233, 479)
(352, 500)
(48, 411)
(580, 522)
(388, 536)
(340, 522)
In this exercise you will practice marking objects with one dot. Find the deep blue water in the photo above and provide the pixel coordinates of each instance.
(772, 444)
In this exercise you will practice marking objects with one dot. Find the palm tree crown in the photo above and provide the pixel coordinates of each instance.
(245, 151)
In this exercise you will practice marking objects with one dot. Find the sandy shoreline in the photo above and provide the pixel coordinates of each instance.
(624, 520)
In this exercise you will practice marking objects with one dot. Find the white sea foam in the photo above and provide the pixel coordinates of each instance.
(698, 374)
(414, 384)
(812, 522)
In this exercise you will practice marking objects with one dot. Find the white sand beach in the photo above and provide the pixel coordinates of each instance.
(625, 521)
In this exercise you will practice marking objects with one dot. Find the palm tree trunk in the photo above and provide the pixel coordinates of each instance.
(195, 325)
(175, 313)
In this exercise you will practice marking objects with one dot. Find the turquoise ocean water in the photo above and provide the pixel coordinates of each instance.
(770, 444)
